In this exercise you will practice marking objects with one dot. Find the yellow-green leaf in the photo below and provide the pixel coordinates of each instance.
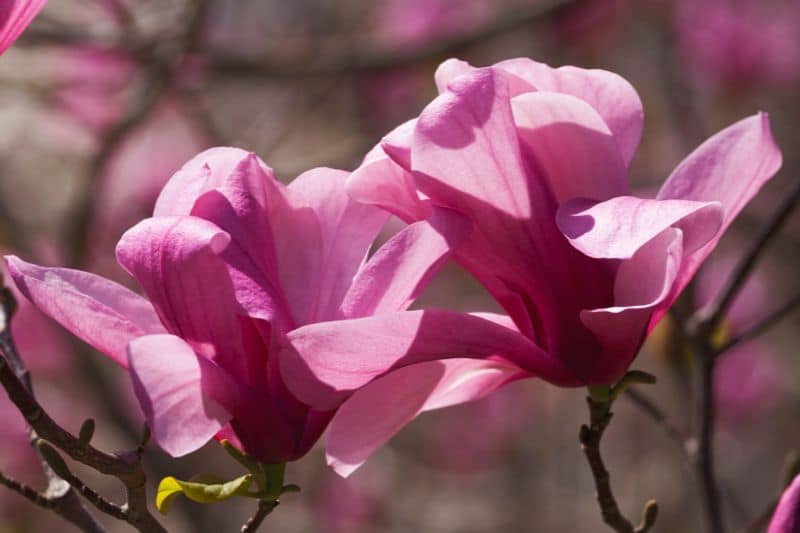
(203, 488)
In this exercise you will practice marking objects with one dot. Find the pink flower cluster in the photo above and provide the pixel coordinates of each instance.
(265, 318)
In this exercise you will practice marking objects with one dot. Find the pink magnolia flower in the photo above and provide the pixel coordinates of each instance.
(230, 263)
(787, 514)
(15, 15)
(537, 158)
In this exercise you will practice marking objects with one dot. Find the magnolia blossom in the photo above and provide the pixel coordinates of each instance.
(15, 15)
(787, 514)
(230, 263)
(537, 158)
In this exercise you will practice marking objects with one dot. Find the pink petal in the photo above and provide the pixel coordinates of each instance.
(617, 228)
(787, 514)
(643, 282)
(376, 412)
(168, 378)
(204, 172)
(466, 156)
(401, 269)
(729, 168)
(469, 128)
(104, 314)
(380, 180)
(235, 190)
(608, 93)
(329, 360)
(15, 15)
(180, 263)
(347, 232)
(571, 145)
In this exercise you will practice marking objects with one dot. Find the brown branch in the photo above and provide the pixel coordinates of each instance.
(767, 322)
(371, 62)
(254, 522)
(62, 498)
(124, 466)
(649, 407)
(705, 448)
(590, 437)
(707, 319)
(27, 492)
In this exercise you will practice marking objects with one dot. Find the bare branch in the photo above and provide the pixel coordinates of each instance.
(124, 466)
(708, 318)
(590, 437)
(767, 322)
(254, 522)
(370, 62)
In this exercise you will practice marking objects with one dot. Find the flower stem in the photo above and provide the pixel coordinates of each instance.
(590, 437)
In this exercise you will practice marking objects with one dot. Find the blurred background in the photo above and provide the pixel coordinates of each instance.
(102, 100)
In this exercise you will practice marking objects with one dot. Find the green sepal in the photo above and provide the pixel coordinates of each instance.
(253, 466)
(202, 488)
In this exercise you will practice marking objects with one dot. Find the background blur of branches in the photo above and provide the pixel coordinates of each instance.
(101, 100)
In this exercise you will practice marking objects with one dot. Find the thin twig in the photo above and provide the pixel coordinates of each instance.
(370, 62)
(705, 448)
(590, 437)
(649, 407)
(62, 498)
(124, 466)
(28, 492)
(254, 522)
(708, 318)
(767, 322)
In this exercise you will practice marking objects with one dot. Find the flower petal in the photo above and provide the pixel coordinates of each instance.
(236, 191)
(170, 379)
(380, 180)
(329, 360)
(376, 412)
(401, 269)
(571, 146)
(643, 282)
(608, 93)
(104, 314)
(786, 518)
(729, 168)
(347, 232)
(617, 228)
(180, 262)
(466, 156)
(15, 15)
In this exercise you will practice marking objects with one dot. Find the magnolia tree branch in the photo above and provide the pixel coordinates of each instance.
(367, 62)
(700, 330)
(58, 496)
(762, 326)
(590, 437)
(708, 318)
(254, 522)
(125, 466)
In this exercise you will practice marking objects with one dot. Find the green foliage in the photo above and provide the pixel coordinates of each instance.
(203, 488)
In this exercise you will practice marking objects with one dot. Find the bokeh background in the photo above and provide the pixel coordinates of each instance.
(102, 100)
